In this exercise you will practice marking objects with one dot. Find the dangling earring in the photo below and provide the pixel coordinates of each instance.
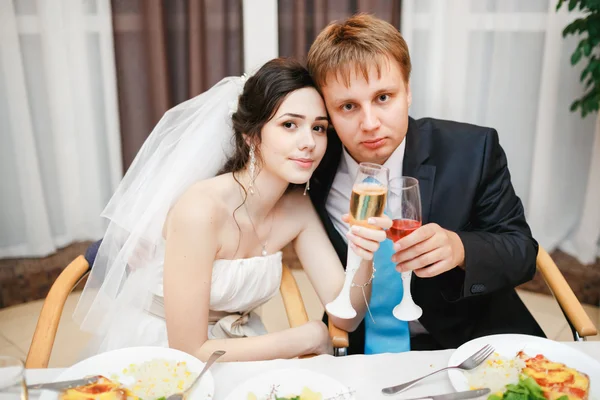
(252, 169)
(307, 187)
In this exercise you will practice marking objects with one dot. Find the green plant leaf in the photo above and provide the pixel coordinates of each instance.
(576, 56)
(589, 83)
(587, 51)
(574, 105)
(595, 70)
(572, 4)
(584, 73)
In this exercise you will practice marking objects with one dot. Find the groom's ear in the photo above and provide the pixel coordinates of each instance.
(408, 94)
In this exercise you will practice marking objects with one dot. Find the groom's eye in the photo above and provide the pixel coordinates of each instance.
(348, 107)
(384, 97)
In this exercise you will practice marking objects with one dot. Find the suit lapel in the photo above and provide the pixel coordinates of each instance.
(418, 143)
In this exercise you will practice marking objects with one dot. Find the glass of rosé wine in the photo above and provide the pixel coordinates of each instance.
(404, 207)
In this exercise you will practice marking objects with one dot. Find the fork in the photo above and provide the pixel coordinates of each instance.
(211, 360)
(477, 358)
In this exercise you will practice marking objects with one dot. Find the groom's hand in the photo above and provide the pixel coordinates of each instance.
(429, 251)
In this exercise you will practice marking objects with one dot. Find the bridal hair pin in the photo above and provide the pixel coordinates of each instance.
(233, 105)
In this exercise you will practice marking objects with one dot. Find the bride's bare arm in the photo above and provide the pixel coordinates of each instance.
(192, 243)
(322, 265)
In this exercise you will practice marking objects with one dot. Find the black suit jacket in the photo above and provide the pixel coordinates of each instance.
(466, 188)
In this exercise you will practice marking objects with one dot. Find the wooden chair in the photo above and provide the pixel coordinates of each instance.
(580, 323)
(45, 331)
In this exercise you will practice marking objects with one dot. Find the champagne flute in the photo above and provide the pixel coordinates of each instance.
(404, 206)
(368, 199)
(12, 378)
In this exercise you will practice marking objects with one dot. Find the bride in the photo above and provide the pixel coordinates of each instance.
(197, 225)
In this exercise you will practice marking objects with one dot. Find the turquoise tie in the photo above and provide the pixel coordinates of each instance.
(386, 334)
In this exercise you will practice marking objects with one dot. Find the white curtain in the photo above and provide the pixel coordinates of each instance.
(59, 135)
(505, 64)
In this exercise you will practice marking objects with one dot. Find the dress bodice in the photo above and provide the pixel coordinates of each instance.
(244, 284)
(241, 285)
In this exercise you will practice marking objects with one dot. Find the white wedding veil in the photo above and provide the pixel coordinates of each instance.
(191, 142)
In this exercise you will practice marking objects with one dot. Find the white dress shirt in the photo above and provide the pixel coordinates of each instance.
(338, 200)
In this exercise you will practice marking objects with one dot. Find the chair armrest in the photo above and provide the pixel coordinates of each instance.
(292, 299)
(564, 295)
(339, 337)
(45, 331)
(296, 312)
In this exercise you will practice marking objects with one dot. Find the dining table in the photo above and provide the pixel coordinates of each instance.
(366, 375)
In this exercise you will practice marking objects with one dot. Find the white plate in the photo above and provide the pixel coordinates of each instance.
(113, 362)
(509, 345)
(291, 382)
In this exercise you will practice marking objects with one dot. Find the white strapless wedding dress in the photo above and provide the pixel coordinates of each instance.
(238, 288)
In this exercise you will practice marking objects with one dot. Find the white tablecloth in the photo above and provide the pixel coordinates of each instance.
(365, 374)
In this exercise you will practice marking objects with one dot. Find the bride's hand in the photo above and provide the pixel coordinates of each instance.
(365, 241)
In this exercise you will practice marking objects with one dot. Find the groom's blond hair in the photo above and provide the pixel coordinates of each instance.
(353, 45)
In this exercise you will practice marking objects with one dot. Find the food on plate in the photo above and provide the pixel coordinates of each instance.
(152, 380)
(529, 378)
(102, 389)
(495, 373)
(556, 379)
(158, 378)
(306, 394)
(526, 389)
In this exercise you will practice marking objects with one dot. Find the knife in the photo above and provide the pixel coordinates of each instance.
(467, 394)
(63, 385)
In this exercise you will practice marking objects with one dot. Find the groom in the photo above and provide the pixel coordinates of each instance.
(474, 246)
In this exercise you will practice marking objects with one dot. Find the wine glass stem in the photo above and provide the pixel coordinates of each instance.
(352, 265)
(406, 278)
(353, 260)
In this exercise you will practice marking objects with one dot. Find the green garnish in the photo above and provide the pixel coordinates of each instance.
(526, 389)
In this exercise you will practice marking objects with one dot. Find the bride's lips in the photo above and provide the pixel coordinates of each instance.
(303, 162)
(374, 144)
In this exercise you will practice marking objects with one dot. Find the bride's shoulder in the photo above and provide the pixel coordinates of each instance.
(199, 204)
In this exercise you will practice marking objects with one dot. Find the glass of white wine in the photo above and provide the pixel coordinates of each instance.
(12, 378)
(368, 199)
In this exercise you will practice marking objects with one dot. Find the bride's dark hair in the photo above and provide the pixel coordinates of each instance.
(262, 95)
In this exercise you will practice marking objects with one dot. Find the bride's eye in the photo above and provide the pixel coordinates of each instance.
(320, 128)
(289, 125)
